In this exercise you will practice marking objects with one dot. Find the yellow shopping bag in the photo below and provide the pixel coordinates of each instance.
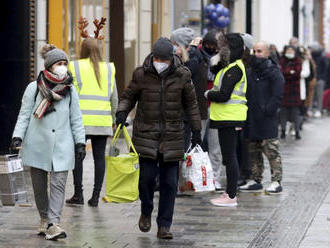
(122, 172)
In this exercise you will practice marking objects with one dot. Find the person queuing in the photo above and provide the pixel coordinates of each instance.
(228, 108)
(50, 128)
(163, 91)
(181, 39)
(264, 93)
(291, 68)
(96, 85)
(321, 73)
(211, 140)
(243, 141)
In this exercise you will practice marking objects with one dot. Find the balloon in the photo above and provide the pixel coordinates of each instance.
(225, 12)
(221, 22)
(227, 21)
(213, 17)
(219, 10)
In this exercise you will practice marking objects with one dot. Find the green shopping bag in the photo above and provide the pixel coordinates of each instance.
(122, 172)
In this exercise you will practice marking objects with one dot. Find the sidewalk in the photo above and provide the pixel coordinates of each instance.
(282, 221)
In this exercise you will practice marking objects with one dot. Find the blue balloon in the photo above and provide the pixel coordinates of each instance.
(219, 9)
(225, 12)
(213, 17)
(221, 22)
(227, 21)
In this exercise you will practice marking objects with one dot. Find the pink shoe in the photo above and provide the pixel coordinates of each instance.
(224, 201)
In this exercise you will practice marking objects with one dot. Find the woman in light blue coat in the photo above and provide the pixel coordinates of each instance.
(50, 127)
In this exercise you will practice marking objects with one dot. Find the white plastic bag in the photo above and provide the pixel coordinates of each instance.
(196, 172)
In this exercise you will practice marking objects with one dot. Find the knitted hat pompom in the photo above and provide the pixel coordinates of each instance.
(45, 49)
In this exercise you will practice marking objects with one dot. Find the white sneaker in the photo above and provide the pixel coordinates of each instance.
(43, 227)
(55, 232)
(317, 114)
(251, 186)
(274, 188)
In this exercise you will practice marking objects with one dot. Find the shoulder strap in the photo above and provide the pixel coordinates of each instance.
(36, 94)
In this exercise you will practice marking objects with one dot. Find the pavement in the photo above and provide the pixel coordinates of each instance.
(299, 217)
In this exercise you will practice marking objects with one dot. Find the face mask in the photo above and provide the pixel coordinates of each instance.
(61, 71)
(210, 51)
(160, 66)
(289, 55)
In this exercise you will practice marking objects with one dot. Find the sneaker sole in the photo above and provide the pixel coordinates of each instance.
(252, 191)
(224, 205)
(62, 235)
(272, 193)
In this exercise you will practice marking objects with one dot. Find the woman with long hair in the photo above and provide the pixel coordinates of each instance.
(96, 85)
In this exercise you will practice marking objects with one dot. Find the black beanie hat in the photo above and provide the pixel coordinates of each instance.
(236, 45)
(163, 49)
(210, 38)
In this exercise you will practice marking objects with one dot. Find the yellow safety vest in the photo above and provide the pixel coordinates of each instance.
(94, 101)
(235, 108)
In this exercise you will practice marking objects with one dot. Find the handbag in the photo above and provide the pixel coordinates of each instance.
(196, 171)
(122, 171)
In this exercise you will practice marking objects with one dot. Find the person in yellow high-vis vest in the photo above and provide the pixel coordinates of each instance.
(228, 108)
(96, 85)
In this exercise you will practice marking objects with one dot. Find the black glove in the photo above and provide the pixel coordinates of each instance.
(80, 151)
(121, 118)
(15, 143)
(196, 138)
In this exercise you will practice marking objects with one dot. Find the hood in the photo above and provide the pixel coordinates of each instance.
(231, 48)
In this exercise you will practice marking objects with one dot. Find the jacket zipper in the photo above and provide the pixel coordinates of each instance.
(162, 108)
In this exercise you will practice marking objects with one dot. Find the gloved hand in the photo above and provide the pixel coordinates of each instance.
(205, 94)
(121, 118)
(80, 151)
(15, 143)
(196, 138)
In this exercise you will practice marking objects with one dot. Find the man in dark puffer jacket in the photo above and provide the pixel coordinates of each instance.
(264, 94)
(163, 91)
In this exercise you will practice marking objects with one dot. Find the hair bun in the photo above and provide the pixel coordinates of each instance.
(45, 49)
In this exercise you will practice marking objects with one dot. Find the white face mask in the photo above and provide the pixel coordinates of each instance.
(61, 71)
(289, 55)
(160, 66)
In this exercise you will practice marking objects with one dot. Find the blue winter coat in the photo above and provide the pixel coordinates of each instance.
(48, 143)
(264, 94)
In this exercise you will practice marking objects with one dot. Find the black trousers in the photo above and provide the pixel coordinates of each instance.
(228, 145)
(168, 184)
(98, 147)
(243, 155)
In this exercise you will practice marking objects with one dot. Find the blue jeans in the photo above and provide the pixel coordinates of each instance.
(168, 184)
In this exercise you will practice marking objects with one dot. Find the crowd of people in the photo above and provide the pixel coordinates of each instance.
(225, 92)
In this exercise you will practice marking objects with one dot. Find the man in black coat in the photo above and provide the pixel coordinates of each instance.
(264, 93)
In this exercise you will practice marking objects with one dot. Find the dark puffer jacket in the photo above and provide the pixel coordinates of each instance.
(198, 67)
(158, 124)
(264, 93)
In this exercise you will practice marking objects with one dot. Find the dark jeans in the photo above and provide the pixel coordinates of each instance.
(168, 184)
(98, 147)
(228, 145)
(289, 114)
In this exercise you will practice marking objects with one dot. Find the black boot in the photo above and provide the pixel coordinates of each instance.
(77, 198)
(94, 201)
(283, 134)
(298, 137)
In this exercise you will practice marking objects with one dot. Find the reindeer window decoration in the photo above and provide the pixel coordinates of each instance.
(83, 23)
